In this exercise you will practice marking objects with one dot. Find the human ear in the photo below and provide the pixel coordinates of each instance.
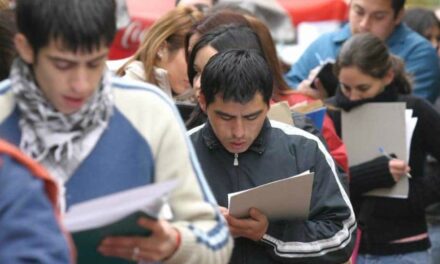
(399, 17)
(24, 49)
(389, 77)
(202, 101)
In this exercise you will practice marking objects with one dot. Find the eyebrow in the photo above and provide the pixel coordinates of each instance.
(219, 112)
(57, 58)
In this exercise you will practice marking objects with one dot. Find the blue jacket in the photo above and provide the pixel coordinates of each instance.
(420, 58)
(29, 232)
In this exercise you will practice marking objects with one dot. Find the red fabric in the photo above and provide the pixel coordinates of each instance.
(49, 184)
(315, 10)
(356, 246)
(143, 14)
(334, 143)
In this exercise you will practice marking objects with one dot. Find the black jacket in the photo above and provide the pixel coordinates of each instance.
(278, 152)
(386, 219)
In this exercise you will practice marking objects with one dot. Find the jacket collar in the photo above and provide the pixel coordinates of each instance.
(258, 146)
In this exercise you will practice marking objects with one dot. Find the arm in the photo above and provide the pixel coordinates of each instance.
(424, 190)
(322, 48)
(423, 65)
(29, 229)
(329, 233)
(196, 220)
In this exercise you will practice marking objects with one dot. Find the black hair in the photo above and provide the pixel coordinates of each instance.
(397, 6)
(371, 56)
(78, 24)
(7, 49)
(420, 20)
(223, 38)
(237, 75)
(212, 1)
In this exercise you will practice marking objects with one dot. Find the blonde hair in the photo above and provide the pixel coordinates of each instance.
(171, 29)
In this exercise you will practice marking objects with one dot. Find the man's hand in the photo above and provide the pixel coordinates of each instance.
(161, 244)
(305, 87)
(398, 168)
(253, 227)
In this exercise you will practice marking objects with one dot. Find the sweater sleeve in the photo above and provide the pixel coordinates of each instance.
(202, 228)
(328, 235)
(29, 230)
(370, 175)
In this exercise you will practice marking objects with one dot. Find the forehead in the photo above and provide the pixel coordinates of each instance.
(204, 54)
(224, 105)
(57, 47)
(373, 5)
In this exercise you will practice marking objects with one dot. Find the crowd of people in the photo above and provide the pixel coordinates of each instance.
(192, 105)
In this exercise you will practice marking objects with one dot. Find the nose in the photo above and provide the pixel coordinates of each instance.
(365, 23)
(80, 81)
(238, 129)
(354, 96)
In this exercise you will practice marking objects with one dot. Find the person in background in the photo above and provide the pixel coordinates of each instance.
(239, 148)
(160, 58)
(229, 40)
(29, 212)
(383, 19)
(7, 49)
(425, 22)
(98, 135)
(393, 230)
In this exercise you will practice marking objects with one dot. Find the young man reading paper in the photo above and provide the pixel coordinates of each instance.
(98, 135)
(239, 148)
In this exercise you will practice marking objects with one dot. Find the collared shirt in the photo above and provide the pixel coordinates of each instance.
(420, 58)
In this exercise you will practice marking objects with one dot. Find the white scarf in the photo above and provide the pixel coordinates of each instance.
(59, 141)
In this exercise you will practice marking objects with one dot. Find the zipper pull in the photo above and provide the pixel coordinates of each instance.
(235, 159)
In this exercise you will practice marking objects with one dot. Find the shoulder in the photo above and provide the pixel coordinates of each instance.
(292, 135)
(135, 71)
(140, 96)
(405, 42)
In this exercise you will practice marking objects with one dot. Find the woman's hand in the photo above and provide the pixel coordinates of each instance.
(398, 168)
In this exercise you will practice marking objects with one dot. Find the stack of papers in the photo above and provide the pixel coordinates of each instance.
(372, 126)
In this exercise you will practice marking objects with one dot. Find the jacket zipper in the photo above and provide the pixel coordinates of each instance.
(235, 159)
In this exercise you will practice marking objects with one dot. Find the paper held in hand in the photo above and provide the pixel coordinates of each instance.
(115, 215)
(372, 126)
(111, 208)
(283, 199)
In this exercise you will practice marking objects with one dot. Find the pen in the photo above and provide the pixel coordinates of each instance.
(383, 152)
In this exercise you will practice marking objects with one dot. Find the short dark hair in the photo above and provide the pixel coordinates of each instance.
(397, 6)
(237, 75)
(223, 38)
(78, 24)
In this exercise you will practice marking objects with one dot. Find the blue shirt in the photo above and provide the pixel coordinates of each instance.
(420, 58)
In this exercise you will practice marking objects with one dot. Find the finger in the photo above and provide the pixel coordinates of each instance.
(121, 242)
(240, 223)
(120, 252)
(150, 224)
(223, 210)
(256, 214)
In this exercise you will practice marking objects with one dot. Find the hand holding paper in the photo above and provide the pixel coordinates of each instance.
(161, 244)
(253, 227)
